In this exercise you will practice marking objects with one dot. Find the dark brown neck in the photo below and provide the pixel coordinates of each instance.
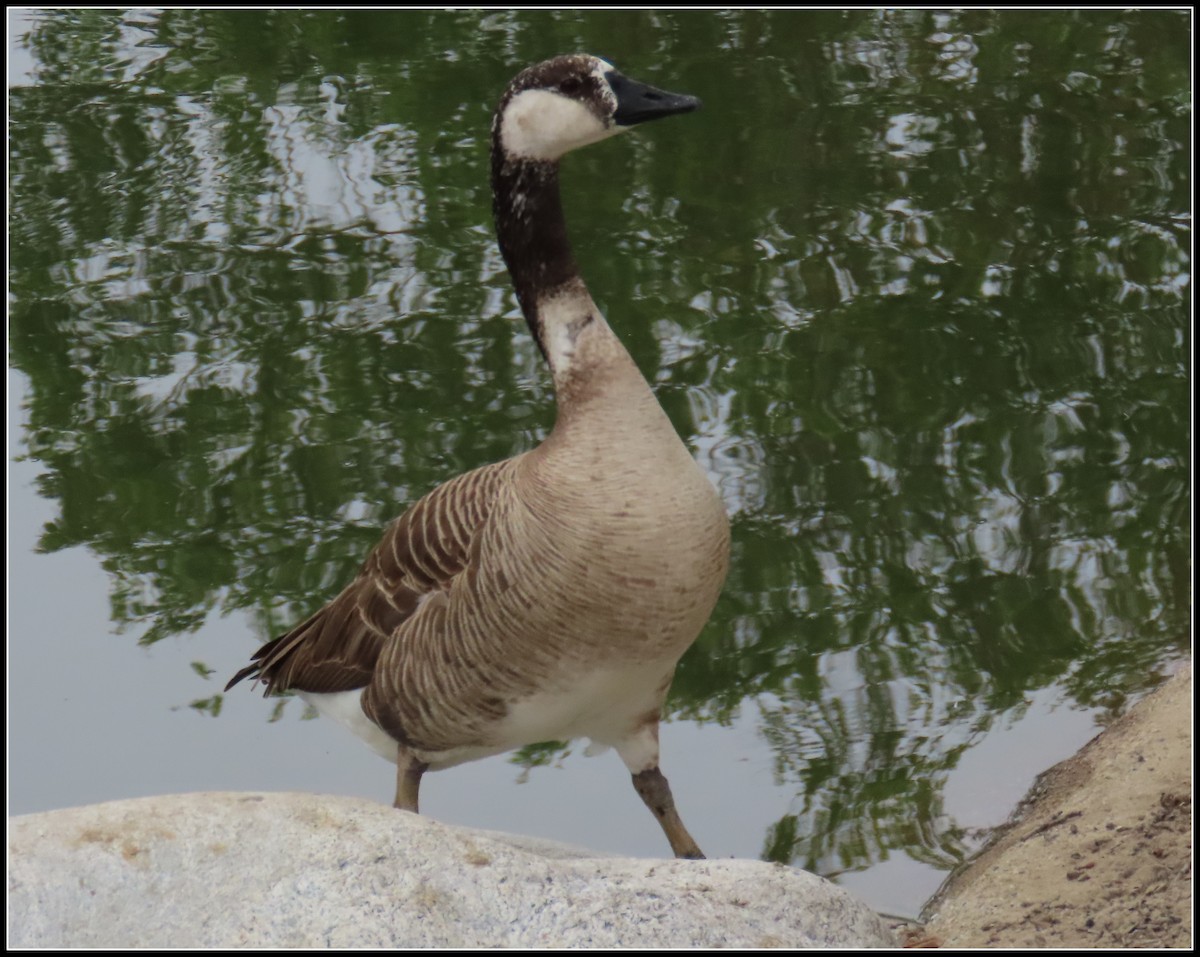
(532, 231)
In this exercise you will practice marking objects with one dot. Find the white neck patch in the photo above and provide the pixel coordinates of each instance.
(563, 319)
(543, 125)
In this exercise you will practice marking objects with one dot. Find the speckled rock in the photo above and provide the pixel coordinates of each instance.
(291, 870)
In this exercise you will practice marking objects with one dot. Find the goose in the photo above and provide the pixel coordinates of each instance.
(550, 596)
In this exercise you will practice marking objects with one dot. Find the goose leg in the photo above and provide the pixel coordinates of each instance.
(652, 787)
(408, 780)
(640, 754)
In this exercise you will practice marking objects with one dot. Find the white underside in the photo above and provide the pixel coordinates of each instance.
(606, 707)
(345, 707)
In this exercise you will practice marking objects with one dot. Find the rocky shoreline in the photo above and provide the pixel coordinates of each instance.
(1100, 852)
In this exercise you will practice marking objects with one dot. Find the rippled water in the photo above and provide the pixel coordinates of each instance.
(913, 285)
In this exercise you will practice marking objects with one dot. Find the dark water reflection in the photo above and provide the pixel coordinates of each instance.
(913, 285)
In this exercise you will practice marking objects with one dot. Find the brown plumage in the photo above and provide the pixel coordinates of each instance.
(421, 552)
(548, 596)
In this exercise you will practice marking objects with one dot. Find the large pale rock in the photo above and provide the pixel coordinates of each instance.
(290, 870)
(1099, 855)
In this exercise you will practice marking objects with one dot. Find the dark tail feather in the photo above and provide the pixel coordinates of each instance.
(248, 672)
(258, 661)
(264, 660)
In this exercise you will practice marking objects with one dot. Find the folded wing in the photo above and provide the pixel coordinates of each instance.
(421, 553)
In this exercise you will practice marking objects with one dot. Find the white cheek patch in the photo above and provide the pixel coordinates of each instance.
(541, 125)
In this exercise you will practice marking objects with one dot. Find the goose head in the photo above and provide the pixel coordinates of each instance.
(573, 101)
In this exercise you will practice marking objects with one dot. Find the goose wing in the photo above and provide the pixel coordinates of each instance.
(421, 553)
